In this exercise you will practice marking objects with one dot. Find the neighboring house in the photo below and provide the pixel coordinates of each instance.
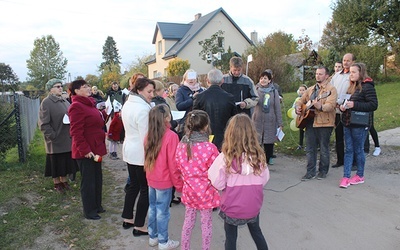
(304, 64)
(174, 40)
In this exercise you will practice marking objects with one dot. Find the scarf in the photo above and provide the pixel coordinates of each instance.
(265, 91)
(194, 87)
(195, 137)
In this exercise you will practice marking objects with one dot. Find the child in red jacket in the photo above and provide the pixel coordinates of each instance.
(114, 133)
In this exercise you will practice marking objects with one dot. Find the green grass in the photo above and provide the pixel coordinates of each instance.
(29, 208)
(387, 116)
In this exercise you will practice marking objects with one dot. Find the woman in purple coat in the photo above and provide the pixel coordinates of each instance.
(88, 145)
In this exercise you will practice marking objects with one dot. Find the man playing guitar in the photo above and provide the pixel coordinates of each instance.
(322, 98)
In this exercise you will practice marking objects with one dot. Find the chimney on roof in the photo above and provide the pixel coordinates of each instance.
(254, 37)
(197, 16)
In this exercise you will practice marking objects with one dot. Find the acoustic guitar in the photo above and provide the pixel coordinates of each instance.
(307, 113)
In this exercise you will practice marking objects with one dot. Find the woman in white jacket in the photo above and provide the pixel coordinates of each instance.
(135, 117)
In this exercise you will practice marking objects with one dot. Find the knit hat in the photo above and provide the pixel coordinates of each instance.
(52, 82)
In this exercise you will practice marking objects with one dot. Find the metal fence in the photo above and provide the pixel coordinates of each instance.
(18, 122)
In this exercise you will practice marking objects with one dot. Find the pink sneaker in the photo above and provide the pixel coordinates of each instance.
(356, 180)
(345, 182)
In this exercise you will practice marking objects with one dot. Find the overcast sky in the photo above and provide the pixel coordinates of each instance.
(81, 27)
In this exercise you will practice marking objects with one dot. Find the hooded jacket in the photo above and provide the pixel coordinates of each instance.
(242, 193)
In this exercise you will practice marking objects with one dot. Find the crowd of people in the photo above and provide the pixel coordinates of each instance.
(215, 155)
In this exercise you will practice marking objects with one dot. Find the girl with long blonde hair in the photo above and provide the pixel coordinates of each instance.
(241, 172)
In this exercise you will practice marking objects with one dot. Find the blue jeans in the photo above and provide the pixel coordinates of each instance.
(255, 231)
(354, 138)
(315, 137)
(158, 216)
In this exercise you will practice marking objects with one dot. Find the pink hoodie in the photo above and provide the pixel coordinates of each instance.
(242, 193)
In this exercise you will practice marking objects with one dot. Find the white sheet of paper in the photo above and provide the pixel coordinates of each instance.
(125, 91)
(280, 134)
(177, 115)
(108, 106)
(117, 105)
(66, 119)
(237, 103)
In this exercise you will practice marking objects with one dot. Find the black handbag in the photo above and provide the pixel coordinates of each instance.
(359, 118)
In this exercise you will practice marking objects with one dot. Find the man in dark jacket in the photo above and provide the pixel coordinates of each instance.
(240, 86)
(219, 105)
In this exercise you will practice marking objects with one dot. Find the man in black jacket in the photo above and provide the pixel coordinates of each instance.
(219, 105)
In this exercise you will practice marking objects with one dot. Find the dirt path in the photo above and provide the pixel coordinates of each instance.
(316, 214)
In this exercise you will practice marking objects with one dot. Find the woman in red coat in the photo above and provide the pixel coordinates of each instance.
(88, 143)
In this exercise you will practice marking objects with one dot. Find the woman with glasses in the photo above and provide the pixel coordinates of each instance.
(88, 145)
(55, 128)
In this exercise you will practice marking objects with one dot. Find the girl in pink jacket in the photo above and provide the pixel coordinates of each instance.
(194, 156)
(162, 174)
(241, 172)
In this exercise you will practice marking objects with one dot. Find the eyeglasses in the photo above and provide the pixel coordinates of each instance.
(57, 86)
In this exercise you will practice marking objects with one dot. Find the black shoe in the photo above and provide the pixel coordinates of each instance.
(337, 165)
(138, 233)
(354, 168)
(101, 211)
(308, 177)
(95, 217)
(321, 176)
(127, 225)
(177, 200)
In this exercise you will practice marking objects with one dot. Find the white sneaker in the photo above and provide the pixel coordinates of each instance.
(377, 151)
(153, 242)
(170, 244)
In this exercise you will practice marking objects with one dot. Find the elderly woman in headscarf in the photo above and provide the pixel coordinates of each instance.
(54, 124)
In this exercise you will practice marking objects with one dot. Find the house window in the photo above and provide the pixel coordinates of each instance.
(154, 73)
(221, 42)
(165, 72)
(159, 47)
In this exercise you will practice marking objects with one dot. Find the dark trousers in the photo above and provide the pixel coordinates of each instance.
(339, 138)
(315, 137)
(138, 186)
(255, 231)
(91, 186)
(374, 136)
(301, 137)
(269, 151)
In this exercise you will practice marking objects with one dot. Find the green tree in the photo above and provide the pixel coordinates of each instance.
(111, 56)
(367, 22)
(269, 53)
(177, 67)
(211, 46)
(109, 75)
(8, 78)
(46, 61)
(139, 65)
(93, 80)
